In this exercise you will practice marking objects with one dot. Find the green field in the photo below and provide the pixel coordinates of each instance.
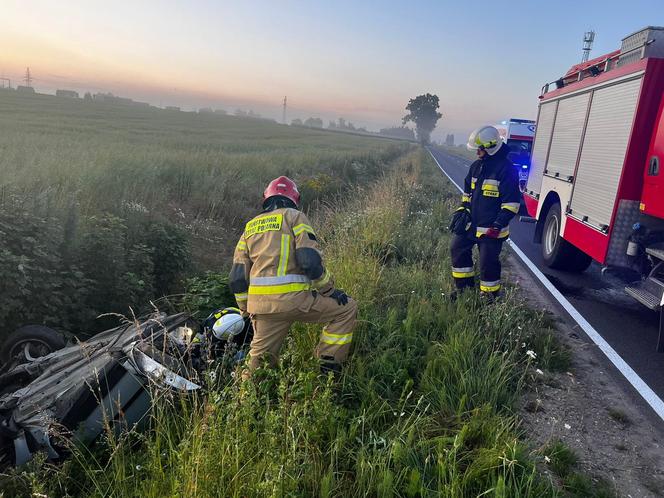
(428, 404)
(105, 206)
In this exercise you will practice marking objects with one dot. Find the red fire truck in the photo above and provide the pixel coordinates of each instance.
(595, 187)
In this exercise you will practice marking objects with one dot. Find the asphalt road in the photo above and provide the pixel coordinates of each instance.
(630, 328)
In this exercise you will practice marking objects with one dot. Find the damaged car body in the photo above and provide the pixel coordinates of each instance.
(104, 383)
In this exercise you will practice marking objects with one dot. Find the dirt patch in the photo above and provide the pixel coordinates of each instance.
(590, 408)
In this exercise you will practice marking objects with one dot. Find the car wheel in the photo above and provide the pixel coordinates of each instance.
(31, 341)
(556, 251)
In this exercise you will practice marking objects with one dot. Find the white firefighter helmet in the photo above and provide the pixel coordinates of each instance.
(228, 326)
(487, 138)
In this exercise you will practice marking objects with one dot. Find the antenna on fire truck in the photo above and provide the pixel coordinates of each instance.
(588, 39)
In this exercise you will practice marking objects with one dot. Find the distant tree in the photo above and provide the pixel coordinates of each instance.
(342, 124)
(296, 122)
(332, 125)
(423, 111)
(314, 122)
(449, 140)
(398, 132)
(87, 97)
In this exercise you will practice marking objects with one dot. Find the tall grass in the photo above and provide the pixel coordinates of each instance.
(106, 207)
(102, 157)
(425, 405)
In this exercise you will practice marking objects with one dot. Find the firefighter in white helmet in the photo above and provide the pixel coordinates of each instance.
(490, 199)
(278, 277)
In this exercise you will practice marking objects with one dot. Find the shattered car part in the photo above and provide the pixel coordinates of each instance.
(100, 384)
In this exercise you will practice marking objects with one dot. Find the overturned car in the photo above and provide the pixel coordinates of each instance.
(106, 382)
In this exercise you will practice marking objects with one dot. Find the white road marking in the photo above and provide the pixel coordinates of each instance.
(650, 397)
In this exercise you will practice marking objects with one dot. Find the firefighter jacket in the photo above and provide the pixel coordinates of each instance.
(277, 264)
(491, 192)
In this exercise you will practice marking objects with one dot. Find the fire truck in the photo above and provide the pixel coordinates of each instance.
(518, 135)
(596, 189)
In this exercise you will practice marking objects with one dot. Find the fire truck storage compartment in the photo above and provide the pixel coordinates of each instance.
(547, 114)
(567, 136)
(607, 135)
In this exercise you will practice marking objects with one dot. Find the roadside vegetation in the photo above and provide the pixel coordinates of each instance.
(459, 151)
(426, 405)
(105, 207)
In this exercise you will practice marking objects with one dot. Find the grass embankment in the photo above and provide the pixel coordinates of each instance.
(425, 406)
(106, 206)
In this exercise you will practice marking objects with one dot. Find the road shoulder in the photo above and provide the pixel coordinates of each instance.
(590, 408)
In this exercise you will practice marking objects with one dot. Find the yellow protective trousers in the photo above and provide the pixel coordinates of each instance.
(271, 329)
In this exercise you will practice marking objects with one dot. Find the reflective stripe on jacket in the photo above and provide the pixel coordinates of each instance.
(267, 249)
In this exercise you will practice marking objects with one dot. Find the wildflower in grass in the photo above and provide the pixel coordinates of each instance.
(547, 459)
(531, 353)
(539, 372)
(137, 207)
(568, 427)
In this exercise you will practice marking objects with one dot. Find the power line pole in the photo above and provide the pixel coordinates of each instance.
(283, 115)
(588, 39)
(28, 78)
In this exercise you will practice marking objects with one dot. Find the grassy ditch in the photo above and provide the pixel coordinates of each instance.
(425, 406)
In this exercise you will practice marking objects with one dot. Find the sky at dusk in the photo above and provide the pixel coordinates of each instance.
(361, 60)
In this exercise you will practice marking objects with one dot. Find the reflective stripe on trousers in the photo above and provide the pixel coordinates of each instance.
(489, 286)
(463, 272)
(329, 338)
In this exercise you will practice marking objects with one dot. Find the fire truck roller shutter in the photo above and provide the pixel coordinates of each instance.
(603, 153)
(567, 136)
(547, 114)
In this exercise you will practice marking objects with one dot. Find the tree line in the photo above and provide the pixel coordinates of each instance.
(422, 112)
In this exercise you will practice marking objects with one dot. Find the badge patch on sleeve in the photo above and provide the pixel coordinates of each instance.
(263, 224)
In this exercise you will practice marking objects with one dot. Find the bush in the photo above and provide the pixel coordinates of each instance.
(66, 278)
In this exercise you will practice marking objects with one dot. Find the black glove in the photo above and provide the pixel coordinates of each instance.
(340, 296)
(461, 220)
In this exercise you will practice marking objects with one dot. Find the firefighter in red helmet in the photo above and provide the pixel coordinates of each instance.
(278, 277)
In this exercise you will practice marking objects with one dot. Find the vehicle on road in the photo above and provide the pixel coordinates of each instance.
(518, 134)
(51, 392)
(596, 189)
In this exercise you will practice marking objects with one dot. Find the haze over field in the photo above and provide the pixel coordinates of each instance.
(361, 61)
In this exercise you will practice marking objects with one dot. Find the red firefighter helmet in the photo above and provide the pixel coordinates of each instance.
(283, 186)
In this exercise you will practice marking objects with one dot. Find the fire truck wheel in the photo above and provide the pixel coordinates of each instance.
(556, 251)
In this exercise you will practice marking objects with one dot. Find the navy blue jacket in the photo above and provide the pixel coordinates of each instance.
(491, 191)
